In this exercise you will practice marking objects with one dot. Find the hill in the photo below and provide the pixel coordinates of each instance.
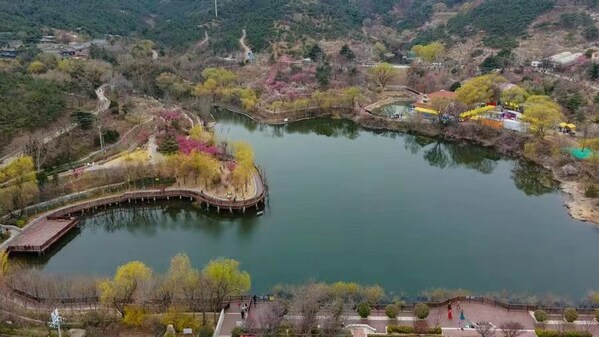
(179, 23)
(176, 23)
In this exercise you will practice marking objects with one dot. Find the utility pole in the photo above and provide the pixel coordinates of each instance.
(215, 9)
(101, 138)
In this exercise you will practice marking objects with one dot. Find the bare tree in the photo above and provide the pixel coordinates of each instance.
(267, 320)
(36, 148)
(485, 329)
(332, 324)
(511, 329)
(305, 305)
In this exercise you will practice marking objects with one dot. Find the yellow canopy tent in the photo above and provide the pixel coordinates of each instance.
(567, 125)
(426, 111)
(477, 111)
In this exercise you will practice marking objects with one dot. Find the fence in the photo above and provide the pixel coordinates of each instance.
(492, 302)
(284, 116)
(219, 325)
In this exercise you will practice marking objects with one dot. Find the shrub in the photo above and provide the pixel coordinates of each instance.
(392, 310)
(92, 318)
(363, 309)
(400, 329)
(570, 315)
(403, 335)
(420, 326)
(4, 234)
(591, 191)
(404, 329)
(541, 315)
(237, 331)
(205, 331)
(179, 319)
(110, 136)
(421, 310)
(21, 223)
(134, 316)
(554, 333)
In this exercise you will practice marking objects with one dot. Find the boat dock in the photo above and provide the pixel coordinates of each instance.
(39, 236)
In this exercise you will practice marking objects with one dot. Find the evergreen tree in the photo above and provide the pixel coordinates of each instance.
(323, 74)
(594, 71)
(168, 145)
(347, 53)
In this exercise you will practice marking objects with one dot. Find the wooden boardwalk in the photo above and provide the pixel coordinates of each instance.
(46, 230)
(37, 237)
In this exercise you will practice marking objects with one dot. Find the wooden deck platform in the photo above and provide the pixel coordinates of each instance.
(46, 230)
(37, 237)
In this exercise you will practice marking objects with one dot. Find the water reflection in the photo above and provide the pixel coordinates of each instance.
(533, 179)
(529, 178)
(320, 126)
(443, 155)
(325, 127)
(149, 220)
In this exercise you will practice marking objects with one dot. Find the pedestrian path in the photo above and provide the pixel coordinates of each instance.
(377, 322)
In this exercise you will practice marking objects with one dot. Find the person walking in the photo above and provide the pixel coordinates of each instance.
(242, 313)
(254, 298)
(449, 315)
(459, 308)
(462, 319)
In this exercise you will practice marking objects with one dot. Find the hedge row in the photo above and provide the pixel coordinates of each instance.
(403, 335)
(404, 329)
(553, 333)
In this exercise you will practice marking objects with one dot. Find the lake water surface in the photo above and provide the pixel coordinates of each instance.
(405, 212)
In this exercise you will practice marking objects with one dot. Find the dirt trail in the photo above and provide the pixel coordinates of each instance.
(204, 41)
(246, 49)
(102, 105)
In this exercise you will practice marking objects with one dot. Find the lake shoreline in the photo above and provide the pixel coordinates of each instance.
(503, 142)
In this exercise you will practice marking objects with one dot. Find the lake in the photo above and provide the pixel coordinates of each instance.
(405, 212)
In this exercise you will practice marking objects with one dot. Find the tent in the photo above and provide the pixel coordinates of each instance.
(477, 111)
(565, 125)
(426, 111)
(581, 153)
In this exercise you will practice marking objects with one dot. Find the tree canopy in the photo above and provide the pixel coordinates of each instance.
(226, 279)
(429, 52)
(480, 89)
(382, 73)
(542, 113)
(27, 103)
(516, 95)
(128, 281)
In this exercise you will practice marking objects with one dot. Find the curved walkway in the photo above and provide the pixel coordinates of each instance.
(45, 235)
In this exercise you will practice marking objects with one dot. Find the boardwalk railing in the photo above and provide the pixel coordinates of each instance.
(219, 325)
(230, 301)
(163, 195)
(492, 302)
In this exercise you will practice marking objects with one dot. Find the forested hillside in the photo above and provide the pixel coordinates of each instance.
(27, 103)
(176, 23)
(179, 23)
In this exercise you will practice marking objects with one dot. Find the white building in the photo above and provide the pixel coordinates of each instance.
(536, 64)
(564, 59)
